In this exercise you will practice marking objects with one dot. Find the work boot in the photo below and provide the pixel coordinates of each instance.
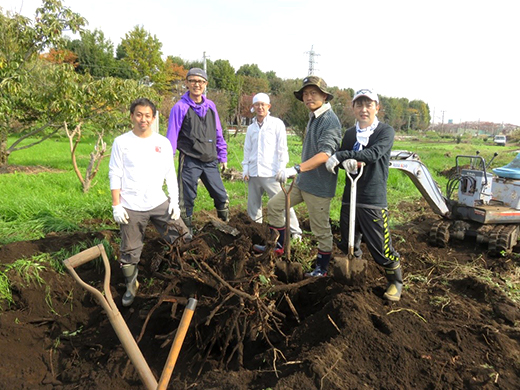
(322, 263)
(279, 242)
(223, 214)
(395, 283)
(130, 273)
(188, 236)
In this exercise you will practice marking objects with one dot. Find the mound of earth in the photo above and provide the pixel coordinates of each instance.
(257, 328)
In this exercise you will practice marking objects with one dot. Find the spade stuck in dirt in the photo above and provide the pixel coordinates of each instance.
(348, 268)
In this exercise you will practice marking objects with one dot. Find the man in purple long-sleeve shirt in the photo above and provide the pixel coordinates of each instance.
(194, 130)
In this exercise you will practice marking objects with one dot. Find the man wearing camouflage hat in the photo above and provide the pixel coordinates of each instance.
(315, 185)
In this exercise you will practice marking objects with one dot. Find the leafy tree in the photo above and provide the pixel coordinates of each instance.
(251, 70)
(222, 76)
(174, 75)
(95, 54)
(222, 100)
(22, 41)
(275, 82)
(292, 111)
(342, 106)
(63, 56)
(421, 119)
(142, 52)
(253, 85)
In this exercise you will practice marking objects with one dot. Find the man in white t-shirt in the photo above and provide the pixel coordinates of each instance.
(140, 162)
(265, 153)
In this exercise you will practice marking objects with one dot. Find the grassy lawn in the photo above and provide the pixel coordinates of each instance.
(36, 204)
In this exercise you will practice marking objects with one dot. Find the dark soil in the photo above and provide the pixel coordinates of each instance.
(454, 328)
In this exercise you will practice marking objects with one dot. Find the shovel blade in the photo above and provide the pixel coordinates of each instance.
(350, 270)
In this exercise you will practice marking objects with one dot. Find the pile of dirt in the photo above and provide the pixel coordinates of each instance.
(454, 328)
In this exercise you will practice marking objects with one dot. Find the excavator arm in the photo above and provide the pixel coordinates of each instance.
(410, 164)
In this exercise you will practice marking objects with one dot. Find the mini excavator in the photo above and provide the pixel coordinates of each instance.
(479, 204)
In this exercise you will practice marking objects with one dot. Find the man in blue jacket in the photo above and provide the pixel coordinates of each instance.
(194, 130)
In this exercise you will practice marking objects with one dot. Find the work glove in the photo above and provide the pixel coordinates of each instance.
(174, 211)
(350, 165)
(245, 174)
(120, 214)
(332, 163)
(285, 173)
(223, 167)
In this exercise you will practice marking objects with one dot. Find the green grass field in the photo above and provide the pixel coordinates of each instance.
(36, 204)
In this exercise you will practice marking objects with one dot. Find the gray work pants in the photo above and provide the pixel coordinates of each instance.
(256, 187)
(132, 234)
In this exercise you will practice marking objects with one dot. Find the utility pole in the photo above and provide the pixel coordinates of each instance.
(312, 61)
(204, 67)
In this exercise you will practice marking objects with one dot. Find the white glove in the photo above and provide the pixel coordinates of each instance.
(245, 174)
(332, 163)
(223, 166)
(285, 173)
(120, 214)
(174, 211)
(350, 165)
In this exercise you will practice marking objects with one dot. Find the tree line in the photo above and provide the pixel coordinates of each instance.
(49, 81)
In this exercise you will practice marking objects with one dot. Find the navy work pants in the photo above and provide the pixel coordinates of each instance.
(190, 170)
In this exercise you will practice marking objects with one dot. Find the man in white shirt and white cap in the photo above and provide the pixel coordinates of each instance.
(265, 153)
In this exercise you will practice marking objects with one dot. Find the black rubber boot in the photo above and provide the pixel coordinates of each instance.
(322, 264)
(223, 214)
(395, 283)
(130, 272)
(187, 221)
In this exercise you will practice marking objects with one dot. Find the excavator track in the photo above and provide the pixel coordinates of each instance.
(440, 233)
(502, 239)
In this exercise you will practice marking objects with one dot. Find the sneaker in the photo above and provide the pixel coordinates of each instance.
(261, 249)
(297, 237)
(318, 272)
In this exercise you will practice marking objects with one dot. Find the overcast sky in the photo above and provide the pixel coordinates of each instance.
(459, 56)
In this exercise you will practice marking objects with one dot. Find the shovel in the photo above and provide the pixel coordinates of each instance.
(107, 302)
(287, 270)
(351, 269)
(118, 323)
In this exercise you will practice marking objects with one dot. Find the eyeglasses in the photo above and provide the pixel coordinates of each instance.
(193, 82)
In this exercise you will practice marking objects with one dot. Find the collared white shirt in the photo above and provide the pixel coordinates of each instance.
(324, 108)
(265, 148)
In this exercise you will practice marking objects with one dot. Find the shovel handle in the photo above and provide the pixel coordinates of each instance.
(287, 239)
(352, 213)
(177, 344)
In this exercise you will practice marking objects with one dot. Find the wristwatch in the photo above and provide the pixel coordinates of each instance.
(297, 168)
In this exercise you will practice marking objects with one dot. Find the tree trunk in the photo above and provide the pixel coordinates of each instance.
(4, 153)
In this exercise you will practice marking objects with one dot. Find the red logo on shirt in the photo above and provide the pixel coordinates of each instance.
(158, 149)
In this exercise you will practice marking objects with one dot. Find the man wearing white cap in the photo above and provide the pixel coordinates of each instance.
(369, 141)
(265, 153)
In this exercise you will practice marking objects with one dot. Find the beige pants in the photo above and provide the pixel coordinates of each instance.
(318, 208)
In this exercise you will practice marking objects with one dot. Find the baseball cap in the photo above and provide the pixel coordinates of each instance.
(369, 93)
(261, 97)
(316, 81)
(197, 72)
